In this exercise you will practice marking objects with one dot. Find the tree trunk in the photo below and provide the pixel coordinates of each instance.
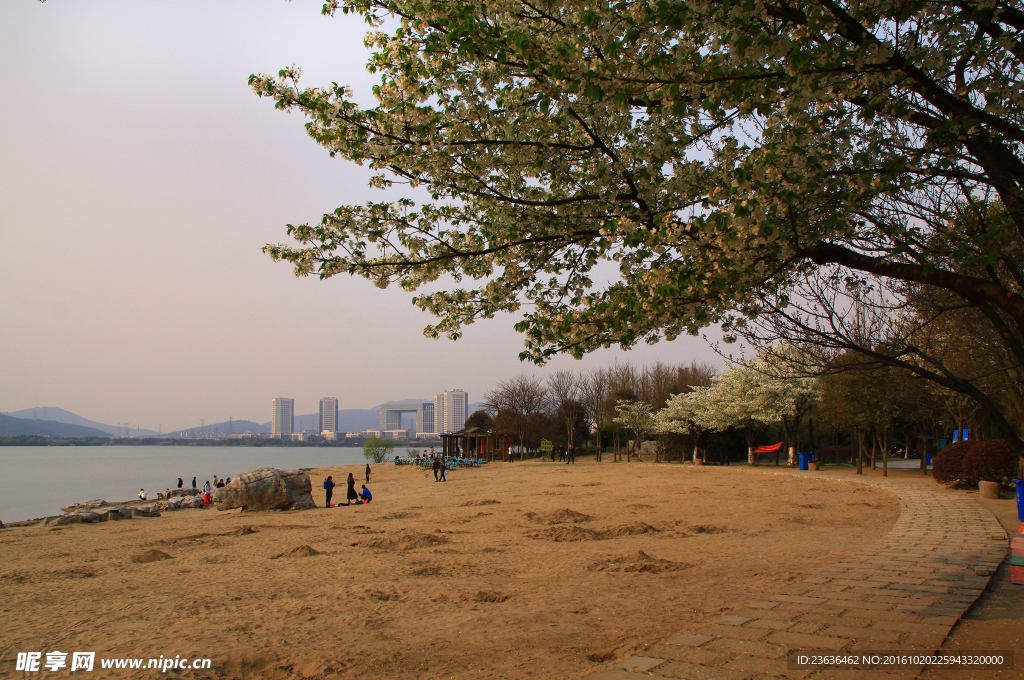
(885, 452)
(874, 449)
(860, 450)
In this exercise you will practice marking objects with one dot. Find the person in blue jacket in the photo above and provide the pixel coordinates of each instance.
(329, 488)
(365, 494)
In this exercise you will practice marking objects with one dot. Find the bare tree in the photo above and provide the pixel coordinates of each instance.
(521, 397)
(596, 389)
(565, 391)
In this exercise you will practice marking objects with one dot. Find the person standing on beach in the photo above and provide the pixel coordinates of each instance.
(437, 467)
(367, 473)
(351, 495)
(194, 483)
(329, 488)
(510, 454)
(444, 470)
(181, 483)
(207, 494)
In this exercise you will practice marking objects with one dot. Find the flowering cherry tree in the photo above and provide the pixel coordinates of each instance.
(688, 413)
(637, 417)
(720, 155)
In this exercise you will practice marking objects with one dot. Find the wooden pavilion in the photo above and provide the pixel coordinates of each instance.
(475, 442)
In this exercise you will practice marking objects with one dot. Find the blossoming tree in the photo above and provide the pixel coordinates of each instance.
(720, 155)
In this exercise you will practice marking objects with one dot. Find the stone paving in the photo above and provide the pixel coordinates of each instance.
(905, 592)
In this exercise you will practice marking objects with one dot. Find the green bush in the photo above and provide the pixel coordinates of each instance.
(949, 464)
(991, 460)
(378, 450)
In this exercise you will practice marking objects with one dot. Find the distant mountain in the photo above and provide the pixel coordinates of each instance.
(14, 427)
(59, 415)
(227, 427)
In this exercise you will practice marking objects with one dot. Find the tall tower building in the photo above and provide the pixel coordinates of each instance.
(329, 414)
(450, 411)
(283, 419)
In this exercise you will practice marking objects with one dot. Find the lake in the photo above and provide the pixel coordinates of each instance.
(36, 481)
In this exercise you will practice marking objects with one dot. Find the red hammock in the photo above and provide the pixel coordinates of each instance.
(768, 449)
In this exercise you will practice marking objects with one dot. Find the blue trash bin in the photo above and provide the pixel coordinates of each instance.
(805, 457)
(927, 459)
(1019, 483)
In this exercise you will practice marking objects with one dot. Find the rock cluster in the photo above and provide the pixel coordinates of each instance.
(106, 513)
(266, 489)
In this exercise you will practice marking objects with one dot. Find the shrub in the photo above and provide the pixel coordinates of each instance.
(837, 454)
(991, 460)
(948, 466)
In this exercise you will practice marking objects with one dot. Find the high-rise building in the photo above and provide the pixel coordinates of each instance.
(283, 419)
(450, 411)
(329, 414)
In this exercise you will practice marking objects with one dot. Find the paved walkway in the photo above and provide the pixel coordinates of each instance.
(905, 592)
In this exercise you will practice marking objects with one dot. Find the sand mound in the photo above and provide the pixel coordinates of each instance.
(429, 571)
(565, 516)
(485, 501)
(639, 562)
(593, 484)
(402, 515)
(301, 551)
(490, 596)
(405, 541)
(243, 531)
(391, 595)
(629, 530)
(708, 529)
(570, 533)
(151, 555)
(639, 506)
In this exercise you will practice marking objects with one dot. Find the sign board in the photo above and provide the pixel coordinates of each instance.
(545, 445)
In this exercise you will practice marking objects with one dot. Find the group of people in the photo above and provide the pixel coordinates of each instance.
(207, 489)
(351, 497)
(566, 455)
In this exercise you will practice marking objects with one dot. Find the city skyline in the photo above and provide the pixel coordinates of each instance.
(155, 306)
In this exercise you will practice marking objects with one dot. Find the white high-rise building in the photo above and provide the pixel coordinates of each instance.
(450, 411)
(329, 414)
(283, 419)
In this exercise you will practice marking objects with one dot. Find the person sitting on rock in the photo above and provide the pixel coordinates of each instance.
(142, 495)
(365, 494)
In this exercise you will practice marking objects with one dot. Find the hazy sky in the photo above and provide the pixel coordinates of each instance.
(139, 178)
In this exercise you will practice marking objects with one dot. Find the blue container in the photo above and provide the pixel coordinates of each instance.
(805, 457)
(927, 459)
(1019, 483)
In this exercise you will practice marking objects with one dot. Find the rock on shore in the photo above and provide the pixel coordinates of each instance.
(266, 489)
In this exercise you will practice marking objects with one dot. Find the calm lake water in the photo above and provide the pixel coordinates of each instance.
(36, 481)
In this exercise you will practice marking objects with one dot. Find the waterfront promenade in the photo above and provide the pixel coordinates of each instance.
(905, 592)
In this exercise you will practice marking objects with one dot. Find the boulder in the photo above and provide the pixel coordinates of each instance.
(182, 493)
(114, 512)
(266, 489)
(168, 505)
(56, 521)
(96, 503)
(145, 511)
(88, 516)
(191, 502)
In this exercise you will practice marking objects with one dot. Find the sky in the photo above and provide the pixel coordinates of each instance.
(139, 179)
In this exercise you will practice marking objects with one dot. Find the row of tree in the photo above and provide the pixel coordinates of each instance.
(566, 406)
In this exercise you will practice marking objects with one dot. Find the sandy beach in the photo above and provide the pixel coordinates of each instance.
(532, 569)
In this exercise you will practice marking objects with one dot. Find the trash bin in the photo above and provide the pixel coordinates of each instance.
(927, 459)
(805, 457)
(1019, 483)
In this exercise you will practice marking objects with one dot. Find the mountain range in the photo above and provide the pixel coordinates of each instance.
(16, 427)
(349, 420)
